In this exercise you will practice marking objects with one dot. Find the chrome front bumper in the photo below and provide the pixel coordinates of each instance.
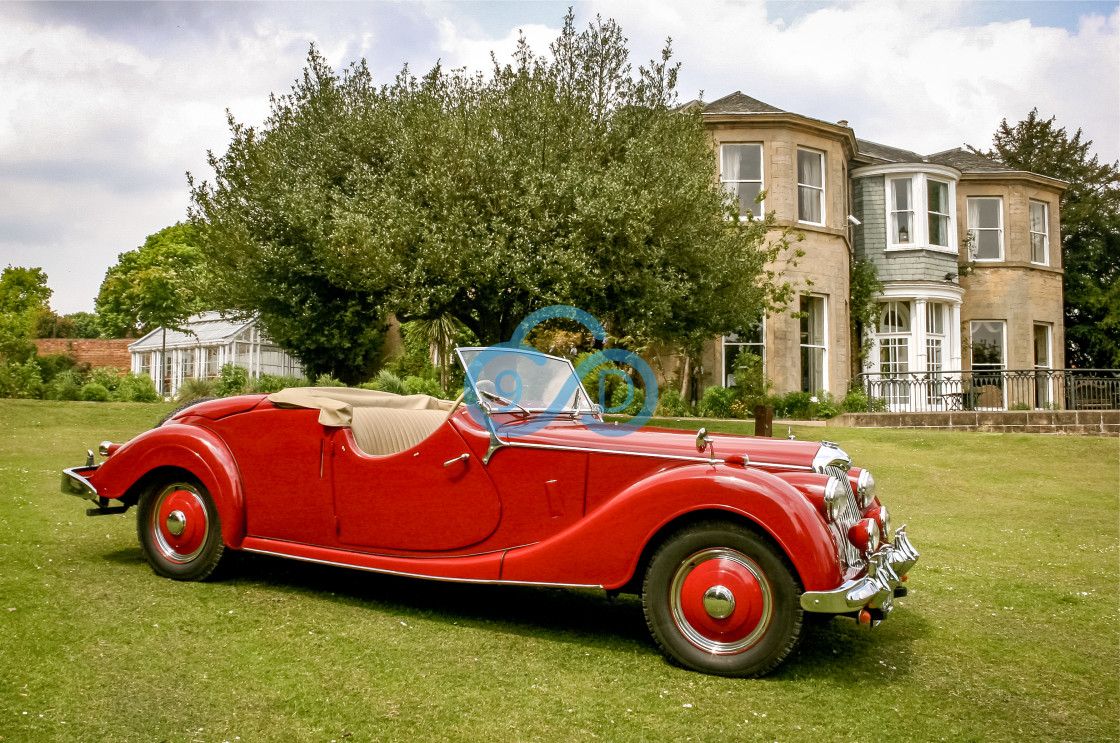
(875, 590)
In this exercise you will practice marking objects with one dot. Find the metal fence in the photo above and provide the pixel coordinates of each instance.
(997, 389)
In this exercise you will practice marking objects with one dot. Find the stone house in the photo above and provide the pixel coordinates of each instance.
(967, 250)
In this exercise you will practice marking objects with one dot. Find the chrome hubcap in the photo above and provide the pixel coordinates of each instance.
(719, 602)
(176, 523)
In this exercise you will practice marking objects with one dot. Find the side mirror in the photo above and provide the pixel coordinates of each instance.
(703, 440)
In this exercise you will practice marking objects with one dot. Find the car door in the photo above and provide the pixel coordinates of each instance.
(434, 496)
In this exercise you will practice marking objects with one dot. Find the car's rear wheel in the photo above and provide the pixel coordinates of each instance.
(180, 529)
(721, 598)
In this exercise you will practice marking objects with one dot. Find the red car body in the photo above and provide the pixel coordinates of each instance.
(569, 504)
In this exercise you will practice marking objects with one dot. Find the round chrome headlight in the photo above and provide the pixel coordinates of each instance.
(884, 518)
(833, 492)
(865, 489)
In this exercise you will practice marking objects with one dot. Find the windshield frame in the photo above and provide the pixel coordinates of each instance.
(579, 394)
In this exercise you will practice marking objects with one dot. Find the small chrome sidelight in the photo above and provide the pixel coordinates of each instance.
(865, 488)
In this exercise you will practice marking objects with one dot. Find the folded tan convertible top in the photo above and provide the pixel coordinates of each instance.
(336, 404)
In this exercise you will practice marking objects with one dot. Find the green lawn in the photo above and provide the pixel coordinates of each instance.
(1010, 632)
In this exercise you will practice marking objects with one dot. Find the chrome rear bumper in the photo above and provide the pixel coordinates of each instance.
(74, 482)
(875, 590)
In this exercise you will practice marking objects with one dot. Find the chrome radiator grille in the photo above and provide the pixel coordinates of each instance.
(847, 514)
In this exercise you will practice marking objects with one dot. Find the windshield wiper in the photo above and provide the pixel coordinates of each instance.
(503, 401)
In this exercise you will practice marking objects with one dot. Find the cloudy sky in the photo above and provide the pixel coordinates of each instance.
(104, 106)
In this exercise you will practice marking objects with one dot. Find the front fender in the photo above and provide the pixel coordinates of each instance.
(604, 548)
(195, 449)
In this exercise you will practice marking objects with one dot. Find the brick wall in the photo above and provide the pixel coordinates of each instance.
(92, 351)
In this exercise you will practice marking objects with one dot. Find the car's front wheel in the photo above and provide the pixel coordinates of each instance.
(721, 598)
(180, 529)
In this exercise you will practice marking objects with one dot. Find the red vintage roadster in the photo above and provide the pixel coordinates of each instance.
(729, 540)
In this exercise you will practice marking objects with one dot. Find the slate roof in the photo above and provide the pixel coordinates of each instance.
(208, 329)
(887, 153)
(737, 103)
(969, 162)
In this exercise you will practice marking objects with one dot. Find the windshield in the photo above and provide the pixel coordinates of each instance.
(513, 378)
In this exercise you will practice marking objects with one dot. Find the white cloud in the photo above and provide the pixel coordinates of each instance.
(106, 106)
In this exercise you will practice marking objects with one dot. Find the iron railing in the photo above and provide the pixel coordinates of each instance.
(994, 389)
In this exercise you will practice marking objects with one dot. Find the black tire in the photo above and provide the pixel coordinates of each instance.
(183, 504)
(184, 406)
(721, 598)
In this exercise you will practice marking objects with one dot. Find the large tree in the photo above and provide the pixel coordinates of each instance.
(24, 296)
(563, 178)
(1090, 223)
(160, 283)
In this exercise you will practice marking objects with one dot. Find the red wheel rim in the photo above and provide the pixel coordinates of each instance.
(721, 601)
(179, 523)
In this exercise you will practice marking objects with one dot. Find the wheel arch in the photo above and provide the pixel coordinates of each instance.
(685, 520)
(175, 450)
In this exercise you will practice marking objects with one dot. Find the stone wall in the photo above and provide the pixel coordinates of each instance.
(1088, 422)
(93, 351)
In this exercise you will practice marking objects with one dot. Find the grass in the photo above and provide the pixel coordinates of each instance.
(1010, 631)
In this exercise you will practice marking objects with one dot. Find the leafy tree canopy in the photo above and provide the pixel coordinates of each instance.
(557, 179)
(161, 283)
(1090, 223)
(24, 295)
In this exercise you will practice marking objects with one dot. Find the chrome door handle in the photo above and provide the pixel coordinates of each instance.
(461, 458)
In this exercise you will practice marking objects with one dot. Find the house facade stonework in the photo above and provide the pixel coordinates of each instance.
(967, 250)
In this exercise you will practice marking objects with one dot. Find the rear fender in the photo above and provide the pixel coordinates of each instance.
(195, 449)
(605, 547)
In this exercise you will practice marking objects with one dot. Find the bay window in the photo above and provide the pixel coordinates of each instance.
(902, 211)
(814, 346)
(1040, 233)
(741, 176)
(810, 186)
(937, 198)
(894, 350)
(750, 340)
(985, 225)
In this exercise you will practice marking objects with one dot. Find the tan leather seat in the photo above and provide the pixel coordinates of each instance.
(383, 431)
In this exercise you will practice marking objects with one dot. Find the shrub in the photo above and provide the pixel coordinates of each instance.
(422, 386)
(717, 402)
(95, 392)
(327, 380)
(670, 404)
(54, 364)
(232, 380)
(267, 384)
(106, 376)
(386, 381)
(191, 389)
(66, 385)
(136, 388)
(21, 379)
(855, 401)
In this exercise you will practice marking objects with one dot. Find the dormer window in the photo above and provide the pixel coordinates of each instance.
(741, 175)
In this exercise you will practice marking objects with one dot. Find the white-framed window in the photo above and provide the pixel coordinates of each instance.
(937, 199)
(190, 356)
(740, 172)
(810, 186)
(751, 339)
(893, 340)
(988, 341)
(1040, 233)
(985, 225)
(902, 211)
(146, 364)
(1043, 362)
(935, 336)
(814, 343)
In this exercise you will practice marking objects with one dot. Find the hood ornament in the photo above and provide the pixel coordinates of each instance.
(790, 435)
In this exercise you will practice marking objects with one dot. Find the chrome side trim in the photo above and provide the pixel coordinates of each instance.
(442, 579)
(650, 455)
(75, 484)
